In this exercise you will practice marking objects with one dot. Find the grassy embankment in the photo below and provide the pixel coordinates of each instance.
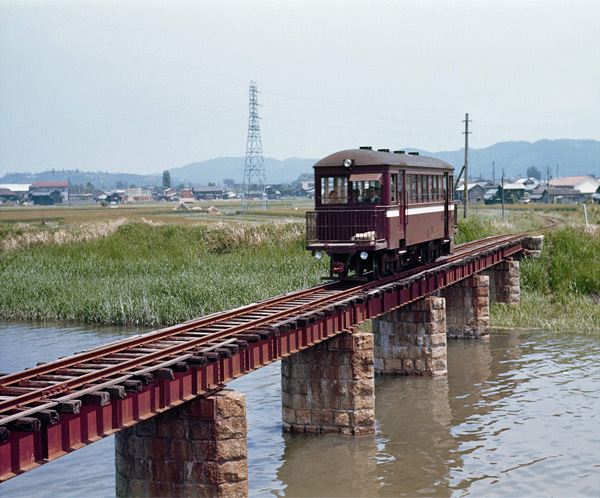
(144, 273)
(561, 289)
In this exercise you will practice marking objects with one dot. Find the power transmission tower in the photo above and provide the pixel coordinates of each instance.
(253, 186)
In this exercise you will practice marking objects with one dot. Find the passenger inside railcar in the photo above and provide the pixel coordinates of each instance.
(333, 197)
(371, 191)
(334, 190)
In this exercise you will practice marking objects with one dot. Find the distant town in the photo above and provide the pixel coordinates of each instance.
(532, 189)
(49, 193)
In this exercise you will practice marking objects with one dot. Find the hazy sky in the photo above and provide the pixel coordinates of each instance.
(146, 85)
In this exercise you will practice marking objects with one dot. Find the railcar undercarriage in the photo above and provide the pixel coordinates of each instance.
(375, 264)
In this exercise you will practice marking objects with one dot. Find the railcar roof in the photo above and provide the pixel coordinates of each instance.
(367, 157)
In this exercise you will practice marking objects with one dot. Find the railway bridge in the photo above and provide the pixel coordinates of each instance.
(179, 431)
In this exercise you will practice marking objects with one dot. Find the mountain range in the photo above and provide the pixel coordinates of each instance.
(573, 157)
(561, 158)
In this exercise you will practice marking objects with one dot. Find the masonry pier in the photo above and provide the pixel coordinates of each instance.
(196, 449)
(412, 340)
(505, 282)
(468, 308)
(330, 387)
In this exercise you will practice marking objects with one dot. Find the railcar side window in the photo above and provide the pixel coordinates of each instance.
(334, 190)
(394, 188)
(412, 182)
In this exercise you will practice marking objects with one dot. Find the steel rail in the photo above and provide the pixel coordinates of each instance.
(334, 293)
(143, 339)
(145, 358)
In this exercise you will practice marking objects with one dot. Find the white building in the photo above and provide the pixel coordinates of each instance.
(587, 185)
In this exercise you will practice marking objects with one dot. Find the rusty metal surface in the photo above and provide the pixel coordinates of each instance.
(53, 409)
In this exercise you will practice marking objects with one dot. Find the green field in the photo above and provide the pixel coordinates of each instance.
(149, 265)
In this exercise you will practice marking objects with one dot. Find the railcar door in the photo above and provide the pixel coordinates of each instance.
(447, 190)
(394, 214)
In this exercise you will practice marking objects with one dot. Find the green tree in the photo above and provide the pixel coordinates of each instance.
(533, 172)
(166, 179)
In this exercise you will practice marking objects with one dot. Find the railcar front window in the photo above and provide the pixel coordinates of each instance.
(334, 190)
(366, 191)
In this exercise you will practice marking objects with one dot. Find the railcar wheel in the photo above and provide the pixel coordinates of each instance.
(379, 266)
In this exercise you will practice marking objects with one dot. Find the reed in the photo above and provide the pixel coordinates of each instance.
(149, 274)
(561, 289)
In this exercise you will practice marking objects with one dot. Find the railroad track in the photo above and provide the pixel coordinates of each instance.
(127, 364)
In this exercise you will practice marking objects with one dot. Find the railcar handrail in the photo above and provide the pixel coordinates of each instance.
(345, 225)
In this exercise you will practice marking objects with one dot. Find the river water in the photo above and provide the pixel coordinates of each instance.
(518, 415)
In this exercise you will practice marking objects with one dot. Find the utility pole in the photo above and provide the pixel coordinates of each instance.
(502, 195)
(493, 172)
(253, 186)
(466, 132)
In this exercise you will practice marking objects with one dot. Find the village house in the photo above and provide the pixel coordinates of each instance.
(187, 195)
(513, 192)
(586, 185)
(7, 195)
(475, 192)
(48, 193)
(21, 190)
(552, 195)
(208, 193)
(170, 195)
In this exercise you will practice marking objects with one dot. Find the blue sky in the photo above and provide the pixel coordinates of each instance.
(143, 86)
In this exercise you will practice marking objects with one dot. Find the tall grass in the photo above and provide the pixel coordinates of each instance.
(561, 289)
(23, 235)
(155, 274)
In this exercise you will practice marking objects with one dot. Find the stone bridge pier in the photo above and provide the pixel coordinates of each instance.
(200, 447)
(330, 387)
(196, 449)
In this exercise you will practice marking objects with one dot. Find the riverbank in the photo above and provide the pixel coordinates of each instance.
(152, 273)
(561, 289)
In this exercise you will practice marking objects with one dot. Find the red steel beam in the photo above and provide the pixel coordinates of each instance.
(98, 418)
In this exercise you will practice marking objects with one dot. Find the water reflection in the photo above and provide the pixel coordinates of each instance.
(527, 423)
(329, 465)
(413, 429)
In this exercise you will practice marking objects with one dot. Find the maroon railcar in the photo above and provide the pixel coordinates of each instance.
(377, 211)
